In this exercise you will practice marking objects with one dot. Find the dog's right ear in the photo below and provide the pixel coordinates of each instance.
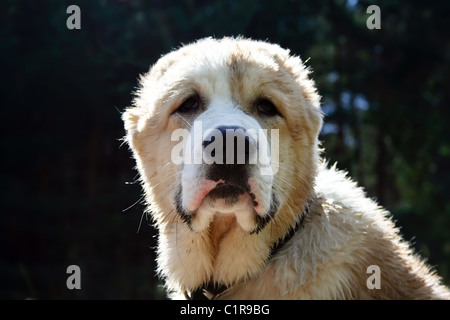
(130, 118)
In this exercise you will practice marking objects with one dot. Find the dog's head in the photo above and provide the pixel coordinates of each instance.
(226, 128)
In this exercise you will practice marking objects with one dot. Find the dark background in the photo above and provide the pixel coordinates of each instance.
(66, 180)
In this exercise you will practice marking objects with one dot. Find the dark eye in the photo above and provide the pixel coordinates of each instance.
(191, 104)
(266, 108)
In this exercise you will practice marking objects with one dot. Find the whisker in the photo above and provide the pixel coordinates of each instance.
(164, 219)
(297, 175)
(176, 244)
(140, 222)
(286, 166)
(290, 198)
(140, 199)
(167, 216)
(166, 178)
(170, 162)
(286, 182)
(135, 180)
(178, 114)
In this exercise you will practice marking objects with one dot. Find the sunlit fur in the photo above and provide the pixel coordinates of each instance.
(344, 233)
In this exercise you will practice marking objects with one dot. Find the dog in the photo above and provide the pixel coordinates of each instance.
(225, 136)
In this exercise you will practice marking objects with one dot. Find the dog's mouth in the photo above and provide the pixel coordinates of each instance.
(212, 198)
(228, 193)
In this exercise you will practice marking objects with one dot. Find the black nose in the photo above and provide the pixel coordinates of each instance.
(232, 157)
(236, 146)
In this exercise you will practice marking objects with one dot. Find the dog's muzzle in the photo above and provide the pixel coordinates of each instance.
(226, 182)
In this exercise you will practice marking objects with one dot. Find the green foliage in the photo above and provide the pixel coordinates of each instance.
(385, 95)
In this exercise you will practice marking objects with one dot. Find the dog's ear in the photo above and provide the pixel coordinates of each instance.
(313, 110)
(310, 99)
(130, 118)
(145, 97)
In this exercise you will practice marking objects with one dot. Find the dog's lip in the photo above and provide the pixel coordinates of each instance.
(203, 189)
(207, 186)
(225, 187)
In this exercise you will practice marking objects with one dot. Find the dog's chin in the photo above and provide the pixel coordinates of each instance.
(225, 200)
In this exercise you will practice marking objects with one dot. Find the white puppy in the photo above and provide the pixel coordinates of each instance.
(225, 136)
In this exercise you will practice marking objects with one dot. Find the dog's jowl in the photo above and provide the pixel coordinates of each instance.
(225, 137)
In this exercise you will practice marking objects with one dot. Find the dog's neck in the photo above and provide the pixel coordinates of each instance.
(212, 290)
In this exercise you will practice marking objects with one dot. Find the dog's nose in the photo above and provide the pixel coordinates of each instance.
(236, 146)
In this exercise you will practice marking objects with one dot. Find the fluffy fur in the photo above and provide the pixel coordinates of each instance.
(344, 233)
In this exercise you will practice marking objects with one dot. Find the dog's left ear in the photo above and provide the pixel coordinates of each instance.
(310, 99)
(313, 111)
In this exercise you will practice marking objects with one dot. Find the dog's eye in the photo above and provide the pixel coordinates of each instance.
(191, 104)
(266, 108)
